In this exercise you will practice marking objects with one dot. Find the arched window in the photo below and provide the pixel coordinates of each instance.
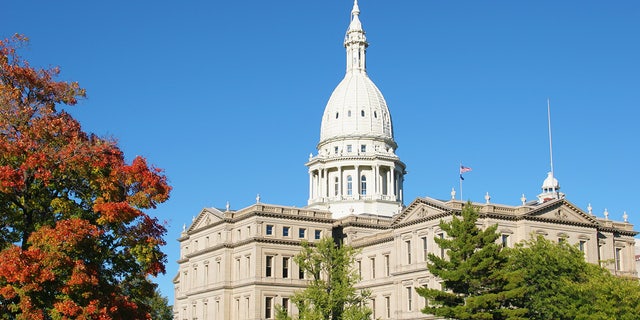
(363, 185)
(335, 186)
(349, 113)
(349, 185)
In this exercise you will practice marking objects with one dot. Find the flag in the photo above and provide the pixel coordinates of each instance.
(464, 169)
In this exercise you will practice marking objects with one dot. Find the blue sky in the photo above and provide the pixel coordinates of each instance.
(227, 96)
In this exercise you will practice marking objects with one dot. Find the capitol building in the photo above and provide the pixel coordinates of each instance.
(238, 264)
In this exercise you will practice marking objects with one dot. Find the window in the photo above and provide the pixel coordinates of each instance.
(268, 266)
(581, 245)
(349, 185)
(238, 268)
(248, 266)
(408, 242)
(318, 234)
(349, 148)
(302, 232)
(285, 231)
(335, 150)
(285, 267)
(337, 114)
(269, 229)
(387, 265)
(425, 252)
(387, 305)
(505, 240)
(285, 305)
(409, 298)
(363, 185)
(359, 268)
(300, 273)
(618, 258)
(267, 307)
(375, 114)
(349, 113)
(373, 308)
(373, 268)
(363, 148)
(336, 186)
(362, 113)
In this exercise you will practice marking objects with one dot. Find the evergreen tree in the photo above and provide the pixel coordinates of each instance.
(474, 285)
(331, 293)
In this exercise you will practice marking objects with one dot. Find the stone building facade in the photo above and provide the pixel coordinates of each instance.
(238, 264)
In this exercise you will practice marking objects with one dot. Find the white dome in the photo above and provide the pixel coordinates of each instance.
(550, 183)
(356, 108)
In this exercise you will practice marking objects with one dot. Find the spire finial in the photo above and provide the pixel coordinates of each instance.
(356, 9)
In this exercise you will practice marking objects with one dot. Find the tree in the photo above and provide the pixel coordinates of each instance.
(473, 284)
(560, 284)
(331, 293)
(74, 239)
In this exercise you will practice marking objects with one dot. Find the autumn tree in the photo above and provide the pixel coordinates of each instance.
(75, 241)
(473, 284)
(331, 292)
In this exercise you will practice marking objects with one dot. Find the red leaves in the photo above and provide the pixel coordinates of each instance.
(115, 212)
(72, 202)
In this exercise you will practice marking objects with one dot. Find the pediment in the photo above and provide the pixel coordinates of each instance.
(420, 209)
(206, 217)
(562, 211)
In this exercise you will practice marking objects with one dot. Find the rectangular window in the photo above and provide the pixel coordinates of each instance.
(373, 308)
(408, 242)
(335, 150)
(363, 148)
(285, 231)
(269, 229)
(285, 305)
(409, 298)
(239, 234)
(248, 266)
(387, 265)
(349, 148)
(302, 232)
(505, 240)
(268, 266)
(359, 263)
(267, 307)
(318, 234)
(618, 258)
(373, 268)
(285, 267)
(300, 273)
(387, 305)
(238, 268)
(581, 245)
(425, 252)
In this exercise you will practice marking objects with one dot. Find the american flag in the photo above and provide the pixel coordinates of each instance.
(464, 169)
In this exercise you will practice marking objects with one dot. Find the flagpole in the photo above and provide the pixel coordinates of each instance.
(460, 177)
(550, 144)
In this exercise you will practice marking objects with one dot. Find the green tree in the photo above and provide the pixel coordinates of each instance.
(474, 285)
(560, 284)
(606, 296)
(331, 293)
(75, 240)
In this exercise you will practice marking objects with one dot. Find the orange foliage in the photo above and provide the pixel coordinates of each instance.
(72, 206)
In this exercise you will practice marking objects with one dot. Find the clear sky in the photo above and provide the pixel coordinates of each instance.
(227, 96)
